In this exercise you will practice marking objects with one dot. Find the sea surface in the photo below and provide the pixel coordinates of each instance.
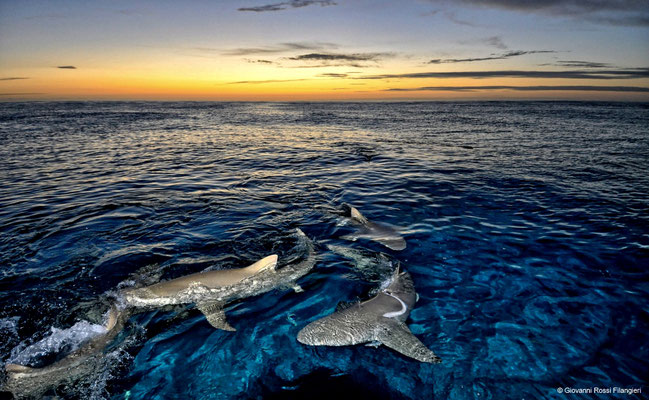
(527, 229)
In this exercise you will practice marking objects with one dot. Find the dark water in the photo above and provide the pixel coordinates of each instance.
(527, 230)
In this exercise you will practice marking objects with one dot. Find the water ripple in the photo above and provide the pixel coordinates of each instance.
(526, 226)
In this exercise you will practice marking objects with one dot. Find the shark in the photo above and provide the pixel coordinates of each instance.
(378, 232)
(378, 320)
(27, 382)
(210, 291)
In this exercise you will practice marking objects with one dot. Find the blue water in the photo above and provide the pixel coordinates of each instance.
(526, 222)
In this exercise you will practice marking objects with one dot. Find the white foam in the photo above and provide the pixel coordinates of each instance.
(9, 324)
(59, 340)
(387, 282)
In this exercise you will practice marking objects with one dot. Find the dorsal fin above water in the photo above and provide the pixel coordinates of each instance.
(357, 216)
(265, 263)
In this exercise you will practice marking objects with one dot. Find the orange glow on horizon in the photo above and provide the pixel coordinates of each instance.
(234, 81)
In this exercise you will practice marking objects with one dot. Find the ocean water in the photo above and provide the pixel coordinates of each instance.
(527, 226)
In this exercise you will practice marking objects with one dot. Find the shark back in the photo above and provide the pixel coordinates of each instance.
(210, 280)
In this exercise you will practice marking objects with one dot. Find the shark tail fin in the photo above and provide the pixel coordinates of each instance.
(17, 368)
(398, 337)
(265, 263)
(356, 215)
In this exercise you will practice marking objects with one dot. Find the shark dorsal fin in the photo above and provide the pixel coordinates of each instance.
(17, 368)
(356, 215)
(265, 263)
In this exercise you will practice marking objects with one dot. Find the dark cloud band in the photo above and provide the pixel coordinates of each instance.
(613, 12)
(338, 57)
(637, 89)
(502, 56)
(631, 73)
(288, 4)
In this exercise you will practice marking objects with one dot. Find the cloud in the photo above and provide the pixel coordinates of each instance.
(502, 56)
(338, 57)
(333, 75)
(628, 73)
(260, 62)
(280, 48)
(611, 12)
(267, 81)
(357, 60)
(288, 4)
(13, 78)
(66, 67)
(563, 7)
(638, 89)
(580, 64)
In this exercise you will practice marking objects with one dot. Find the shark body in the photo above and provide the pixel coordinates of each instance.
(380, 319)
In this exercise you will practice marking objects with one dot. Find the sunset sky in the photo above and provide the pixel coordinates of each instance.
(324, 50)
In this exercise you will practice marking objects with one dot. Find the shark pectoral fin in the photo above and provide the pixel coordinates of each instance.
(397, 336)
(215, 315)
